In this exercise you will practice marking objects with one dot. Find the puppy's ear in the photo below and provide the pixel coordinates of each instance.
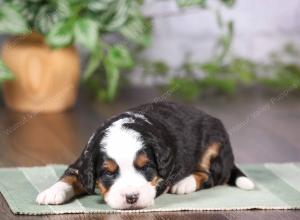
(87, 168)
(162, 152)
(84, 168)
(164, 160)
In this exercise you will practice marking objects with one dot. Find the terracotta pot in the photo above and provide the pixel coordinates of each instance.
(45, 79)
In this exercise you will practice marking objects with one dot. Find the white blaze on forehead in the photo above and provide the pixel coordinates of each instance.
(120, 143)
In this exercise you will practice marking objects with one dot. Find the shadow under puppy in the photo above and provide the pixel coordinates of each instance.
(149, 150)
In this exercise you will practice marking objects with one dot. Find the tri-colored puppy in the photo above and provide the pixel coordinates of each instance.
(151, 149)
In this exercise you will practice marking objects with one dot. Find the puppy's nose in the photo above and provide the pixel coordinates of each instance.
(132, 198)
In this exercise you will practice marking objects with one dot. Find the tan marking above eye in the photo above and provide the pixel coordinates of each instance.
(110, 166)
(141, 160)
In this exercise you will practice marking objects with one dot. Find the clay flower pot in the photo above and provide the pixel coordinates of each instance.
(45, 79)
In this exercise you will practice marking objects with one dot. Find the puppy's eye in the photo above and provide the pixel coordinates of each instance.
(145, 167)
(108, 173)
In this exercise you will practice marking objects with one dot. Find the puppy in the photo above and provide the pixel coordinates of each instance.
(149, 150)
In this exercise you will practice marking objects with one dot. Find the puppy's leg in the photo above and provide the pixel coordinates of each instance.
(62, 191)
(196, 180)
(201, 175)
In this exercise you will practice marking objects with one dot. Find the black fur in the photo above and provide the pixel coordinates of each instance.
(174, 136)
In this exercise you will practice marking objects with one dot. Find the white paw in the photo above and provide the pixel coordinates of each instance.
(184, 186)
(59, 193)
(244, 183)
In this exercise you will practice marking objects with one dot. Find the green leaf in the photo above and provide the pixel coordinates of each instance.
(45, 19)
(119, 56)
(186, 88)
(156, 68)
(138, 31)
(228, 3)
(120, 16)
(61, 34)
(211, 67)
(11, 21)
(291, 50)
(225, 42)
(112, 77)
(219, 19)
(94, 61)
(226, 85)
(5, 73)
(99, 5)
(86, 33)
(188, 3)
(64, 8)
(244, 69)
(230, 27)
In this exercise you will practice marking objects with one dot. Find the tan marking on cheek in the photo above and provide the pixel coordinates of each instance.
(75, 183)
(102, 188)
(155, 180)
(141, 160)
(110, 166)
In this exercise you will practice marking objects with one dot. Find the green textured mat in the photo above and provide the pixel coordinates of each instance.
(277, 187)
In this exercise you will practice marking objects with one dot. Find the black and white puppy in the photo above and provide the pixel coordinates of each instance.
(151, 149)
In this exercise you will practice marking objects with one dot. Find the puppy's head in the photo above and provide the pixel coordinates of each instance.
(128, 184)
(125, 166)
(127, 173)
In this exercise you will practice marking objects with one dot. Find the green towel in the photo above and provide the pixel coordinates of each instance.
(277, 187)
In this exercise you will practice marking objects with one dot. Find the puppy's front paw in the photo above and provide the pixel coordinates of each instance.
(59, 193)
(184, 186)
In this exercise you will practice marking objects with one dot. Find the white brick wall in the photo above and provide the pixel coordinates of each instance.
(261, 26)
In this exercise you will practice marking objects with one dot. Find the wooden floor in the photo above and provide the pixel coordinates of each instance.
(263, 128)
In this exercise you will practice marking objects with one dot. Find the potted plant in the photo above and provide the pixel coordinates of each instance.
(40, 64)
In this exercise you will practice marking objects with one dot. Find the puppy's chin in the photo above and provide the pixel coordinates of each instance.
(116, 200)
(125, 206)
